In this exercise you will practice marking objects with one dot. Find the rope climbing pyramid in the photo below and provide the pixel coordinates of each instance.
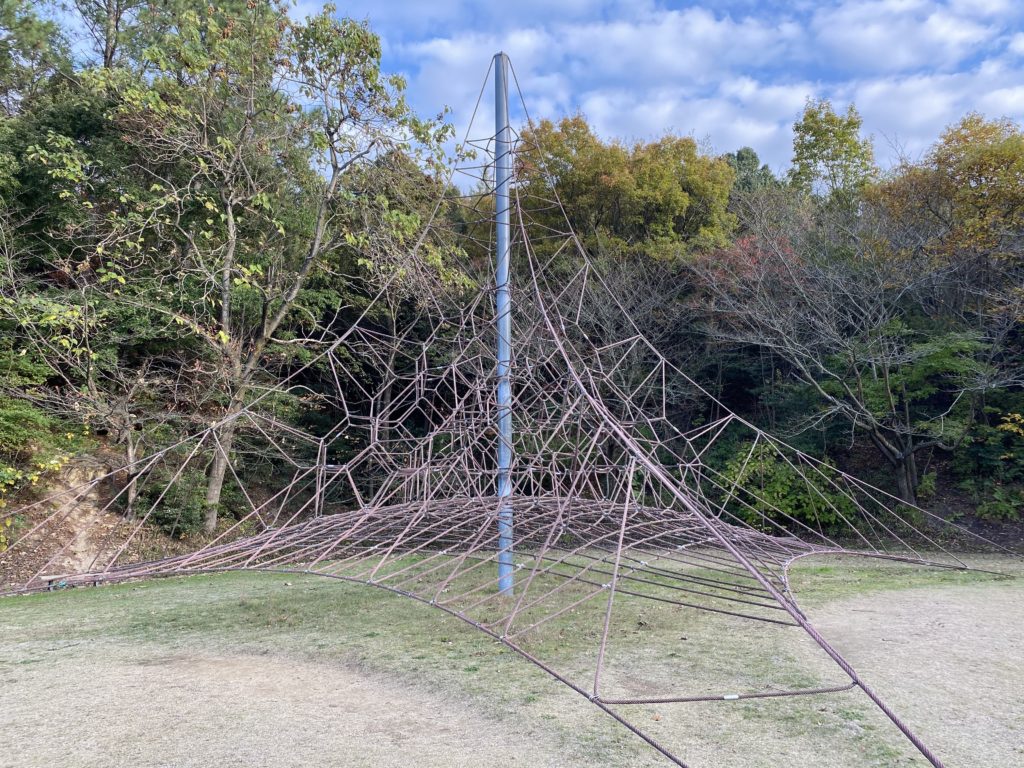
(605, 502)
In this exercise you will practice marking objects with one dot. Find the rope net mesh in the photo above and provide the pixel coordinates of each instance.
(615, 506)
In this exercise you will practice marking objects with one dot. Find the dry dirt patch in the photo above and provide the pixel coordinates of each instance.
(949, 660)
(198, 710)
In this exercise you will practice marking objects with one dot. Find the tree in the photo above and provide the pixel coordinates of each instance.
(961, 210)
(661, 198)
(750, 173)
(31, 49)
(980, 167)
(962, 207)
(849, 317)
(641, 210)
(108, 23)
(829, 155)
(218, 201)
(250, 128)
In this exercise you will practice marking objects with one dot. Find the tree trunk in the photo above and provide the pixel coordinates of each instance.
(132, 485)
(231, 347)
(218, 469)
(909, 472)
(384, 424)
(905, 481)
(901, 458)
(110, 33)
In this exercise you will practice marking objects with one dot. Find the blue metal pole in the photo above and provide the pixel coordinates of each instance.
(503, 312)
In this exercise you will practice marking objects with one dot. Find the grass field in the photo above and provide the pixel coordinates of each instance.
(289, 670)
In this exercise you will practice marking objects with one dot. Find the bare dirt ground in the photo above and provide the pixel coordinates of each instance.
(193, 709)
(950, 661)
(75, 530)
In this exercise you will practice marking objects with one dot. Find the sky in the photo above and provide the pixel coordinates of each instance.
(731, 74)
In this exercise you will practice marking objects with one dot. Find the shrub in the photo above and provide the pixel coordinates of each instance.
(769, 488)
(180, 511)
(30, 449)
(926, 486)
(1001, 503)
(991, 468)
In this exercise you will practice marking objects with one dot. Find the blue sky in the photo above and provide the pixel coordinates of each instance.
(728, 73)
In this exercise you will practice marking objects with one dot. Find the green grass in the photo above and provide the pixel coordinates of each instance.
(823, 579)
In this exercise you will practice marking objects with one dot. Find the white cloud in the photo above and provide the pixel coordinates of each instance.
(1004, 102)
(741, 112)
(638, 69)
(693, 44)
(984, 8)
(415, 19)
(889, 36)
(912, 111)
(452, 72)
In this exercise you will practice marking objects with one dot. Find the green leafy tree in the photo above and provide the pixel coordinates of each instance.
(661, 198)
(751, 174)
(251, 127)
(829, 155)
(207, 217)
(31, 50)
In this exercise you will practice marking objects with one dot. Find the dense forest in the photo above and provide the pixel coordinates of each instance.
(194, 199)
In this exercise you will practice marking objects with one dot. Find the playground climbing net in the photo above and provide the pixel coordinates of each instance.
(615, 503)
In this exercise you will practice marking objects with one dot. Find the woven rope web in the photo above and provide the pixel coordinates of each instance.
(614, 503)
